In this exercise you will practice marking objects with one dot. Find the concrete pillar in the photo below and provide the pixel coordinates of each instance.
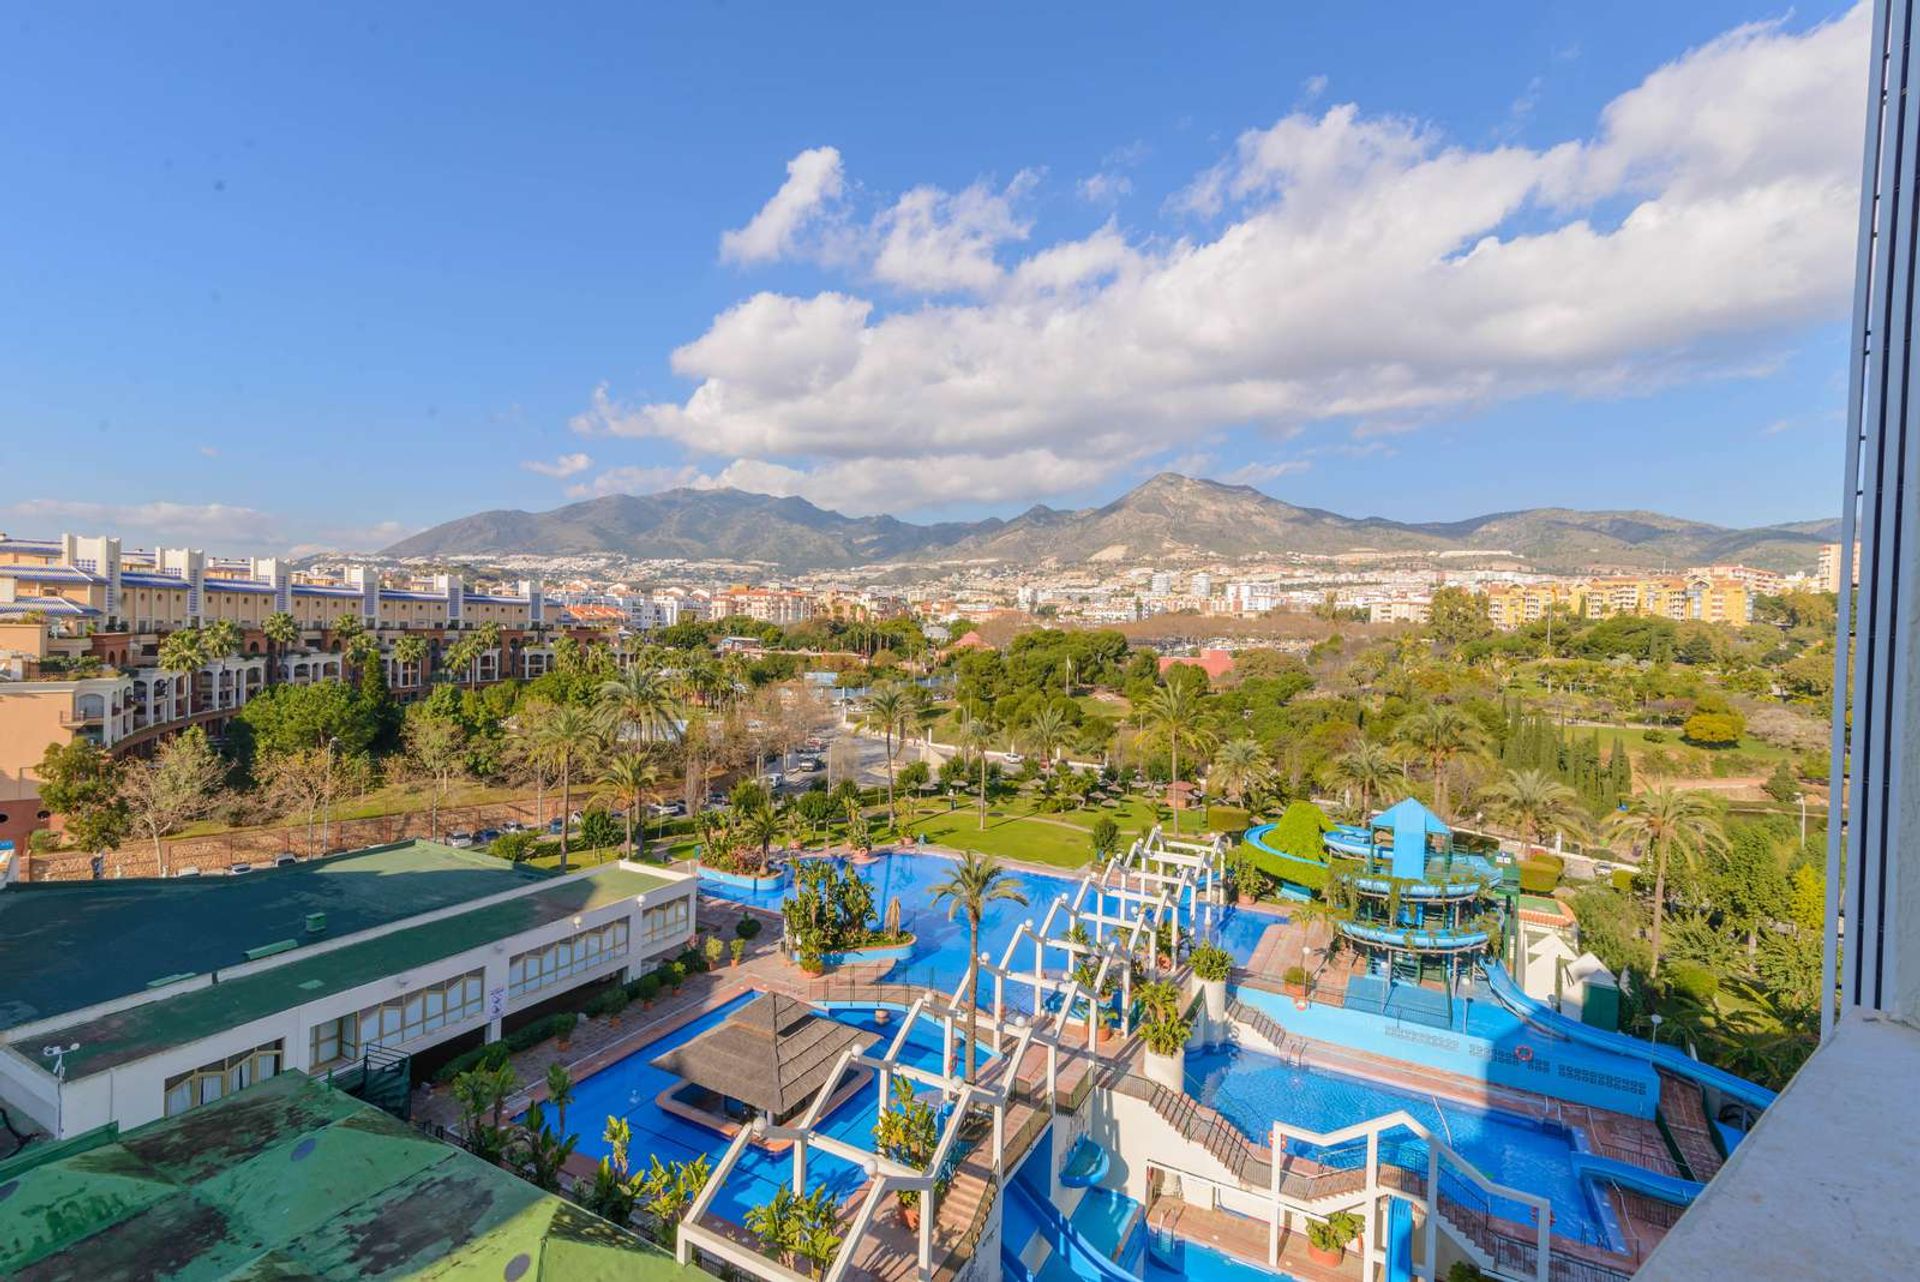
(800, 1167)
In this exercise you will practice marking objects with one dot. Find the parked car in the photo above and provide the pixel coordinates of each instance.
(285, 859)
(554, 826)
(810, 765)
(775, 779)
(1013, 759)
(486, 836)
(239, 869)
(666, 809)
(460, 840)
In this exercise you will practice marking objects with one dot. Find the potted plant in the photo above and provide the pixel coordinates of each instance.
(1211, 966)
(1294, 981)
(1166, 1037)
(1327, 1239)
(1104, 1023)
(646, 988)
(738, 947)
(715, 950)
(908, 1131)
(812, 962)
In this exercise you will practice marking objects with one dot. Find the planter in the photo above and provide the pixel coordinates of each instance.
(1294, 990)
(910, 1216)
(1214, 993)
(1246, 901)
(1326, 1255)
(1168, 1070)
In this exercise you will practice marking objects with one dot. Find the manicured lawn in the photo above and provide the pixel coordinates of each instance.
(1009, 836)
(1635, 738)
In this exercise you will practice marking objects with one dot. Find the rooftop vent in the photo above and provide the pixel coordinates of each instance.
(316, 923)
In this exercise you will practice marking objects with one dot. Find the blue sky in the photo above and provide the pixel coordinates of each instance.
(323, 279)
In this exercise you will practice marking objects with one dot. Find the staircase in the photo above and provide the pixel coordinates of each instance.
(382, 1078)
(1683, 1116)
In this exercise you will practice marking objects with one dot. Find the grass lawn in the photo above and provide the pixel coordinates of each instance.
(1636, 740)
(1011, 836)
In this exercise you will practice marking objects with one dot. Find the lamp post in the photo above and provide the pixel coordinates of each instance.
(1655, 1019)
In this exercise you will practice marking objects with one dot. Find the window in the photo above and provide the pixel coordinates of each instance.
(221, 1078)
(540, 967)
(666, 921)
(335, 1041)
(424, 1011)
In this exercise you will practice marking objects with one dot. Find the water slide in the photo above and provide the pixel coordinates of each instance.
(1671, 1058)
(1087, 1164)
(1399, 1240)
(1636, 1179)
(1074, 1251)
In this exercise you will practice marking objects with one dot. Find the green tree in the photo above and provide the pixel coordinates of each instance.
(1104, 836)
(221, 639)
(1300, 832)
(1536, 805)
(1239, 767)
(1668, 824)
(1712, 729)
(1369, 768)
(181, 783)
(568, 737)
(281, 632)
(641, 703)
(411, 652)
(1175, 716)
(434, 754)
(1458, 616)
(81, 783)
(888, 711)
(666, 1190)
(629, 779)
(559, 1094)
(481, 1094)
(1439, 735)
(976, 735)
(1046, 730)
(975, 881)
(183, 650)
(1783, 785)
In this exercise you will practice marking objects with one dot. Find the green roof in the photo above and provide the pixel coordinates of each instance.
(139, 1031)
(69, 945)
(291, 1180)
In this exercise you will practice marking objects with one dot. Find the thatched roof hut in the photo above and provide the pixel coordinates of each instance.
(772, 1055)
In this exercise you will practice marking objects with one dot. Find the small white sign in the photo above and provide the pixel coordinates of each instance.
(496, 1003)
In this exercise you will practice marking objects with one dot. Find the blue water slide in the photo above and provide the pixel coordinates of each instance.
(1399, 1240)
(1670, 1058)
(1073, 1250)
(1086, 1165)
(1636, 1179)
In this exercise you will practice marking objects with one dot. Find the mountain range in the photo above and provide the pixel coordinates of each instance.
(1169, 517)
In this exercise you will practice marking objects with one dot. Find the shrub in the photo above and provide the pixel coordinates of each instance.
(747, 927)
(1296, 975)
(739, 949)
(1300, 830)
(600, 830)
(812, 962)
(1712, 729)
(611, 1002)
(1212, 962)
(1621, 879)
(512, 845)
(645, 988)
(1540, 873)
(1167, 1035)
(1336, 1231)
(1465, 1271)
(1692, 981)
(715, 951)
(1159, 999)
(492, 1055)
(691, 962)
(1654, 736)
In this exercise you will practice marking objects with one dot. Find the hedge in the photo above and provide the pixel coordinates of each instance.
(644, 988)
(1540, 873)
(494, 1054)
(610, 1002)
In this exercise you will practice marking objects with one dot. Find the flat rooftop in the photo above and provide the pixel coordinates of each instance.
(68, 945)
(290, 1179)
(191, 1014)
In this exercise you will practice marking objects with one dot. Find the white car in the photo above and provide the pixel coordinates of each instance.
(460, 840)
(1014, 759)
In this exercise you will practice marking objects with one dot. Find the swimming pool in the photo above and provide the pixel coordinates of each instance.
(1254, 1089)
(627, 1088)
(1171, 1259)
(939, 955)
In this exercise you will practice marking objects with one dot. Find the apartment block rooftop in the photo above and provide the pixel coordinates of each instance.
(292, 1179)
(65, 946)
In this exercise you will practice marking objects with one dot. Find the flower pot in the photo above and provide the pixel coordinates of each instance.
(1169, 1071)
(1325, 1255)
(1214, 993)
(1294, 990)
(563, 1043)
(910, 1216)
(1246, 901)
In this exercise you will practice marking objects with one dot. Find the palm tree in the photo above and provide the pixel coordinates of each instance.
(565, 735)
(640, 700)
(184, 650)
(1238, 767)
(411, 652)
(559, 1095)
(976, 881)
(1369, 767)
(1664, 822)
(1437, 736)
(1176, 715)
(763, 826)
(888, 712)
(1535, 803)
(221, 639)
(1046, 730)
(281, 632)
(976, 735)
(485, 640)
(630, 777)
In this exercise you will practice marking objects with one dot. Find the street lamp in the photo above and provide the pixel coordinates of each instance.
(1655, 1019)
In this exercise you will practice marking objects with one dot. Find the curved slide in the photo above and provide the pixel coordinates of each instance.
(1636, 1179)
(1399, 1240)
(1087, 1165)
(1079, 1255)
(1670, 1058)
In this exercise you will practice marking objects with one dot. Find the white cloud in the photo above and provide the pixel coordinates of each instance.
(1359, 268)
(564, 466)
(220, 523)
(1313, 86)
(936, 242)
(814, 182)
(1104, 188)
(1261, 473)
(208, 451)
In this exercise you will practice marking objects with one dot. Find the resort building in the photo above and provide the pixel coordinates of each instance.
(194, 988)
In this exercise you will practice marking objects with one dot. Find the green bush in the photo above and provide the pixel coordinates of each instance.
(747, 927)
(691, 962)
(1654, 735)
(492, 1055)
(645, 988)
(611, 1002)
(512, 845)
(1694, 982)
(1540, 873)
(1296, 976)
(1621, 879)
(1211, 962)
(531, 1035)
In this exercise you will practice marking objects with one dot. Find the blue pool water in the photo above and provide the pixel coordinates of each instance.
(1254, 1090)
(1174, 1260)
(939, 956)
(627, 1088)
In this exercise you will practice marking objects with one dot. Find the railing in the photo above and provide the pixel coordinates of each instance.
(1198, 1124)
